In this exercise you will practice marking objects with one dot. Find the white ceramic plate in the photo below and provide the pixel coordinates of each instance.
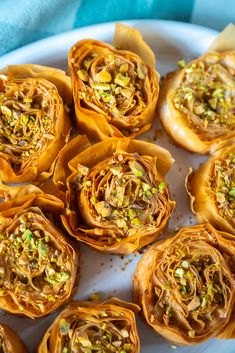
(111, 275)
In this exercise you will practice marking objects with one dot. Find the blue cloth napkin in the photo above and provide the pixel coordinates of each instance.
(25, 21)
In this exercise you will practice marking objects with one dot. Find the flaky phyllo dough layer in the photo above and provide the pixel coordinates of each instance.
(34, 124)
(86, 327)
(186, 286)
(38, 263)
(115, 90)
(117, 198)
(10, 342)
(197, 102)
(212, 189)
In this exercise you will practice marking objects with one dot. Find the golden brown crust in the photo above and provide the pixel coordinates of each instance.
(193, 114)
(10, 342)
(109, 325)
(117, 199)
(115, 91)
(34, 122)
(212, 192)
(38, 263)
(185, 285)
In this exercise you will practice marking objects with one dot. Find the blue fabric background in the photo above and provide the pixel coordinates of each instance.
(25, 21)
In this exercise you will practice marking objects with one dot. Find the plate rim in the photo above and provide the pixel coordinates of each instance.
(7, 58)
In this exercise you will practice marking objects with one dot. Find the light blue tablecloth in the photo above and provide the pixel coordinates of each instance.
(25, 21)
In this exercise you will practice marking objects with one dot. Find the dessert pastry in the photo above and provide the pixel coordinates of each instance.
(38, 263)
(212, 190)
(117, 198)
(34, 123)
(197, 102)
(115, 90)
(89, 327)
(185, 285)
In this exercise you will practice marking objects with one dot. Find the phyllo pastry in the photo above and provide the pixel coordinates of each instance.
(34, 124)
(10, 342)
(93, 327)
(212, 190)
(197, 102)
(117, 198)
(115, 90)
(38, 263)
(185, 285)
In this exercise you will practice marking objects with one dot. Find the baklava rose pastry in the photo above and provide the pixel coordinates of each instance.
(10, 342)
(38, 263)
(115, 90)
(212, 190)
(197, 102)
(89, 327)
(34, 123)
(185, 285)
(117, 198)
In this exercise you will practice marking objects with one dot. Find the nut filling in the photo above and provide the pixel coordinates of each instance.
(222, 181)
(113, 84)
(35, 267)
(124, 191)
(207, 98)
(95, 334)
(27, 118)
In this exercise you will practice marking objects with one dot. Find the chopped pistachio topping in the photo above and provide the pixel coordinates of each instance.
(185, 264)
(223, 183)
(181, 63)
(191, 333)
(196, 280)
(103, 76)
(117, 85)
(103, 208)
(136, 168)
(33, 261)
(98, 335)
(27, 121)
(127, 196)
(83, 75)
(162, 186)
(64, 327)
(121, 80)
(179, 272)
(206, 97)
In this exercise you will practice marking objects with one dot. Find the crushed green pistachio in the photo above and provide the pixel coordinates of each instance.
(191, 334)
(179, 272)
(141, 71)
(84, 341)
(83, 75)
(64, 327)
(103, 208)
(181, 63)
(206, 98)
(161, 186)
(103, 76)
(122, 80)
(137, 168)
(116, 86)
(185, 264)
